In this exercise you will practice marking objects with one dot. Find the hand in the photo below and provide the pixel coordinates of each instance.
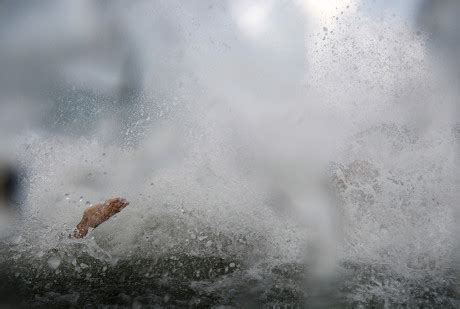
(97, 214)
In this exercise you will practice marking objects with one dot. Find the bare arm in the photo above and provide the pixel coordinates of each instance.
(97, 214)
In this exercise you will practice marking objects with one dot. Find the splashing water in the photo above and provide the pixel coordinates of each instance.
(273, 158)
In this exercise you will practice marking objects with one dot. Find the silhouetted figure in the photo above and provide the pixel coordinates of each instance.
(13, 186)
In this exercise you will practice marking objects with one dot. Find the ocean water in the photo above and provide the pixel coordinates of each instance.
(280, 155)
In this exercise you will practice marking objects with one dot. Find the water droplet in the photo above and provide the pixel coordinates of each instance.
(54, 262)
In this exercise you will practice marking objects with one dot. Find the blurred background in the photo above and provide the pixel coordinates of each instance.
(305, 149)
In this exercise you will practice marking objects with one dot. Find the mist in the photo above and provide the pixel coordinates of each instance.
(310, 148)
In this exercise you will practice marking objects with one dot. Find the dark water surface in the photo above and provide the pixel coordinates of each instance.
(182, 280)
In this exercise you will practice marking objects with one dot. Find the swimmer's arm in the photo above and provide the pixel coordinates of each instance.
(97, 214)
